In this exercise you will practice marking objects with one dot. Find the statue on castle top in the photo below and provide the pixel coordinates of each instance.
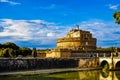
(78, 27)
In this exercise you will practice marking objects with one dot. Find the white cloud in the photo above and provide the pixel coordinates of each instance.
(10, 2)
(101, 29)
(38, 31)
(50, 34)
(114, 7)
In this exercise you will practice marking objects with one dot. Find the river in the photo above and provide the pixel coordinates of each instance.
(82, 75)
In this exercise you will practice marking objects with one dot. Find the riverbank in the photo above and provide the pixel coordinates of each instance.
(44, 72)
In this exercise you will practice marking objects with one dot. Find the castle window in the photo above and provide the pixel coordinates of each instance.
(86, 36)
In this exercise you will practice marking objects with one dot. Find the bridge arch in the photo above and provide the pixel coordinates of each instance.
(105, 60)
(117, 65)
(114, 62)
(104, 63)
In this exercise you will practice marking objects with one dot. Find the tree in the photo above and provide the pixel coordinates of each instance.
(105, 49)
(8, 52)
(10, 49)
(34, 52)
(116, 16)
(25, 51)
(0, 45)
(11, 45)
(1, 52)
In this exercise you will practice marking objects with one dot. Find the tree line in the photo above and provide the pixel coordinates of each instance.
(112, 49)
(10, 49)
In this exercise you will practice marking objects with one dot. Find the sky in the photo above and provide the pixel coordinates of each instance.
(38, 23)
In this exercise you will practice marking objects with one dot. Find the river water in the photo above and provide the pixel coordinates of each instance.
(82, 75)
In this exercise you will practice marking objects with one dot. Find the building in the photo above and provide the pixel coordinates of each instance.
(75, 40)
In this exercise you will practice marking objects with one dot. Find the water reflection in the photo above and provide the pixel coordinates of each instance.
(99, 75)
(89, 75)
(117, 74)
(110, 75)
(83, 75)
(30, 78)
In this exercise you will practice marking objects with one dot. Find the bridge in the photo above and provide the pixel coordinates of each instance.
(113, 62)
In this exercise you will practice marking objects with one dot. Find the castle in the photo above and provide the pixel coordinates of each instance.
(75, 40)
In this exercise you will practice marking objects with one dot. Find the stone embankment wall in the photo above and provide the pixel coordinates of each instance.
(46, 63)
(36, 63)
(88, 62)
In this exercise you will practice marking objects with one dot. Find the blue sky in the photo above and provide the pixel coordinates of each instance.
(38, 23)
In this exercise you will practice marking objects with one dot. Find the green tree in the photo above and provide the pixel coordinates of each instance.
(0, 45)
(116, 16)
(1, 52)
(34, 52)
(105, 49)
(8, 52)
(5, 53)
(9, 49)
(25, 51)
(11, 45)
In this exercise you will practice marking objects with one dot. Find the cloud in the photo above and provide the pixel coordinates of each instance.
(34, 31)
(50, 34)
(113, 7)
(107, 33)
(10, 2)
